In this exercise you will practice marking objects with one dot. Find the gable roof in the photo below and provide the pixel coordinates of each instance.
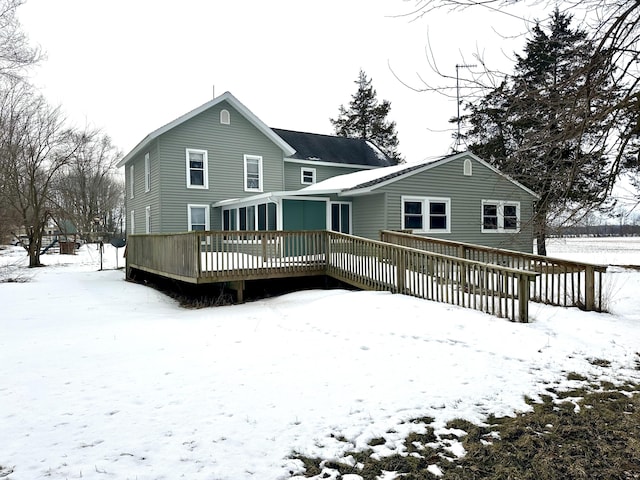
(333, 149)
(225, 97)
(363, 182)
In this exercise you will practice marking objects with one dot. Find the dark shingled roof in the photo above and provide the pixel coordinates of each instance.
(329, 148)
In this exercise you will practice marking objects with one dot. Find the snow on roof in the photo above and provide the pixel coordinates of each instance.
(350, 181)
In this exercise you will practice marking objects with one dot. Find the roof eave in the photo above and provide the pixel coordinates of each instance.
(235, 103)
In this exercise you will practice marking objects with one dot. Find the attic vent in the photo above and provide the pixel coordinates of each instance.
(468, 167)
(225, 117)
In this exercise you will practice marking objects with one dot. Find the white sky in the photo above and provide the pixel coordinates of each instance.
(129, 67)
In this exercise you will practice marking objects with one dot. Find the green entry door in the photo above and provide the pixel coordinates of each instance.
(304, 215)
(300, 215)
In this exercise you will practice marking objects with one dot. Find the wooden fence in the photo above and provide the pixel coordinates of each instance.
(224, 256)
(560, 282)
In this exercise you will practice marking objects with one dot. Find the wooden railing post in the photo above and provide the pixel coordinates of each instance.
(523, 297)
(198, 258)
(401, 273)
(589, 288)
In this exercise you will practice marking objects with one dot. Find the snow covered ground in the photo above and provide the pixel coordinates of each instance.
(101, 378)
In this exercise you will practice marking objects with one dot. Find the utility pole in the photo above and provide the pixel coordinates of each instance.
(458, 67)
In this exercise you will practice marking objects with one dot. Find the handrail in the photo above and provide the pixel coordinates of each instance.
(220, 256)
(561, 282)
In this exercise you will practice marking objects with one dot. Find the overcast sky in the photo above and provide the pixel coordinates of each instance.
(130, 66)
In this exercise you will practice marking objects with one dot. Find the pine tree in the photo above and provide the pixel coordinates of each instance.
(366, 118)
(540, 126)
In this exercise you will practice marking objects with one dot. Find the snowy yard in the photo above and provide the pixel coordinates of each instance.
(101, 378)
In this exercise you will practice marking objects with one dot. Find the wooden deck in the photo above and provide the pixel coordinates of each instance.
(236, 257)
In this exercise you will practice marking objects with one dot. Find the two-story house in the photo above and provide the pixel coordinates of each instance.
(219, 167)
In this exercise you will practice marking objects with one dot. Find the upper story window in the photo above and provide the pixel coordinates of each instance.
(198, 217)
(197, 169)
(225, 117)
(424, 214)
(131, 181)
(307, 176)
(252, 173)
(500, 216)
(147, 173)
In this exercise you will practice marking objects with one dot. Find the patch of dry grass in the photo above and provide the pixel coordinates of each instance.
(588, 433)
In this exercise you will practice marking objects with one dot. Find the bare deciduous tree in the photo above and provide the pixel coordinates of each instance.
(15, 52)
(35, 146)
(89, 193)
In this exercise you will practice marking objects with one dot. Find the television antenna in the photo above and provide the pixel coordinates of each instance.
(458, 67)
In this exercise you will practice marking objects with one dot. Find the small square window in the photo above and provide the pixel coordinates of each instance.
(307, 176)
(500, 217)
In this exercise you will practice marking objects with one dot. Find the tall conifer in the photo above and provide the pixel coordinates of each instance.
(367, 118)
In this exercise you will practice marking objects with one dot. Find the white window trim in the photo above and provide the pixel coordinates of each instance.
(244, 178)
(133, 222)
(147, 173)
(308, 170)
(147, 219)
(207, 220)
(425, 213)
(225, 117)
(500, 204)
(468, 168)
(329, 223)
(205, 166)
(131, 180)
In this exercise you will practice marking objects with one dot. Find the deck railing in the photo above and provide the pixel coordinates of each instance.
(232, 256)
(373, 265)
(560, 282)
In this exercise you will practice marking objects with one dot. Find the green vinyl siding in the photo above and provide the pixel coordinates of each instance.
(369, 215)
(466, 194)
(141, 198)
(226, 146)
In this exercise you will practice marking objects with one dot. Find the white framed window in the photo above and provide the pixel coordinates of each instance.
(500, 216)
(252, 173)
(262, 216)
(198, 217)
(147, 173)
(341, 217)
(307, 175)
(197, 168)
(147, 219)
(131, 181)
(468, 168)
(426, 214)
(225, 117)
(132, 222)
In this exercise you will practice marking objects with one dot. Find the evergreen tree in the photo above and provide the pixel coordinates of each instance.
(366, 118)
(540, 126)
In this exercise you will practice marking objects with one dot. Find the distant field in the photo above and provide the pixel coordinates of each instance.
(601, 250)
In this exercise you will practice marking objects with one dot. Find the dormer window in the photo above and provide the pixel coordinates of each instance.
(225, 117)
